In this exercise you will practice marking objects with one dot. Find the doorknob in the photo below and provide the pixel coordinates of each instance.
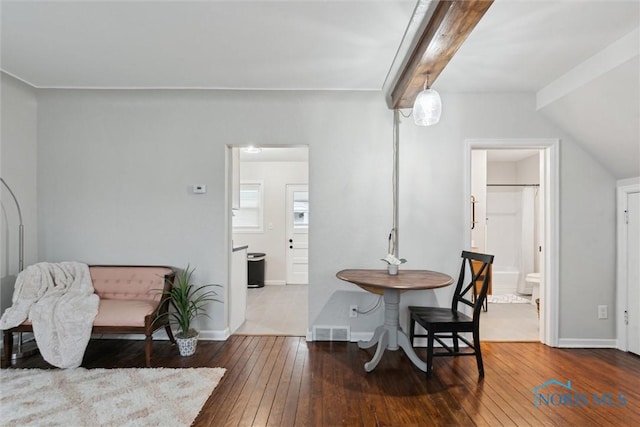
(290, 240)
(290, 247)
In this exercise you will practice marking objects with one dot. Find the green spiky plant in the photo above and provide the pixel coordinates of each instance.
(188, 302)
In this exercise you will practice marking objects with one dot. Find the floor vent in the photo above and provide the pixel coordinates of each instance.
(331, 333)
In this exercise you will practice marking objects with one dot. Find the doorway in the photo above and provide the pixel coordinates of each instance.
(506, 197)
(512, 211)
(267, 218)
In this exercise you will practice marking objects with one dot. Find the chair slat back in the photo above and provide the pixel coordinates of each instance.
(464, 291)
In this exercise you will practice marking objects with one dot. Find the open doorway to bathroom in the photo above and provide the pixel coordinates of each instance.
(511, 186)
(275, 304)
(506, 190)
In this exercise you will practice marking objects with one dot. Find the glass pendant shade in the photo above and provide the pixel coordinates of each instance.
(427, 108)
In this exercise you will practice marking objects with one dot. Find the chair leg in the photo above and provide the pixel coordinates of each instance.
(478, 351)
(412, 329)
(429, 352)
(456, 345)
(8, 348)
(148, 349)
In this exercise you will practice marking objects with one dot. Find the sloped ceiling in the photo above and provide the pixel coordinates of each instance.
(522, 46)
(518, 46)
(604, 115)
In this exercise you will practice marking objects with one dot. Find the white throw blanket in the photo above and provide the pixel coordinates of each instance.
(59, 301)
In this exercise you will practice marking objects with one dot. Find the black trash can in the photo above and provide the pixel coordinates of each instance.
(255, 269)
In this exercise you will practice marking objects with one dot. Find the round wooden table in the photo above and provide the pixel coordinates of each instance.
(390, 336)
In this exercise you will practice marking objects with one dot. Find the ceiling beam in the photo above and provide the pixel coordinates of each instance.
(450, 24)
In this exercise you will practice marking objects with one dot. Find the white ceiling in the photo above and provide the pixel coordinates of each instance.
(519, 46)
(296, 44)
(203, 44)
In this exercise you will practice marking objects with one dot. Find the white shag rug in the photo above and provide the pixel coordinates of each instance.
(507, 299)
(104, 397)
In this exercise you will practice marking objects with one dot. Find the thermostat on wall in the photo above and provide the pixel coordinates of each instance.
(199, 188)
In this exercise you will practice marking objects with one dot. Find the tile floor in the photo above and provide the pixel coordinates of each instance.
(282, 310)
(276, 310)
(509, 322)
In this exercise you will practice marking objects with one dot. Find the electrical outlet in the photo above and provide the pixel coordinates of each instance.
(353, 310)
(603, 312)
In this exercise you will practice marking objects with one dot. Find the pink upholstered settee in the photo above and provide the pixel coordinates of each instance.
(130, 300)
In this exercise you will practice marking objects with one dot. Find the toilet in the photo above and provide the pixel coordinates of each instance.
(533, 280)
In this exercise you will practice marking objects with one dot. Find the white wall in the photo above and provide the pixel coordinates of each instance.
(504, 228)
(504, 206)
(502, 173)
(432, 201)
(115, 171)
(272, 241)
(528, 170)
(587, 245)
(115, 168)
(18, 144)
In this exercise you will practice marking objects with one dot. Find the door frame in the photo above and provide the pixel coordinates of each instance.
(624, 188)
(228, 216)
(549, 312)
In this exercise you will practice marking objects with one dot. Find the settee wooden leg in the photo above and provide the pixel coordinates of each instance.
(170, 334)
(8, 348)
(148, 349)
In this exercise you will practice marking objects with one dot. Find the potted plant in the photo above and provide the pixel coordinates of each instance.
(188, 301)
(392, 261)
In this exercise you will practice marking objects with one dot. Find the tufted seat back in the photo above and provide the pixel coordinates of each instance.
(129, 282)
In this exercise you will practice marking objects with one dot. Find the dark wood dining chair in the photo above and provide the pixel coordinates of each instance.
(478, 286)
(442, 322)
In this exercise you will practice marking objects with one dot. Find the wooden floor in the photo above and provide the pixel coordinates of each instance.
(285, 381)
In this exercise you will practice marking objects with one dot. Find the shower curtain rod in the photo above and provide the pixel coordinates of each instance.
(513, 185)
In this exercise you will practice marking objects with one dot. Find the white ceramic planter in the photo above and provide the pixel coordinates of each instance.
(392, 269)
(187, 346)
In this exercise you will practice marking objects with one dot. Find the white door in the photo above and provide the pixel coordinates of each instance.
(297, 234)
(633, 271)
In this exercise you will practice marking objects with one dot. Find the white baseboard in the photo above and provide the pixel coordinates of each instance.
(212, 335)
(158, 336)
(353, 336)
(366, 336)
(223, 335)
(422, 342)
(215, 335)
(360, 336)
(587, 343)
(275, 282)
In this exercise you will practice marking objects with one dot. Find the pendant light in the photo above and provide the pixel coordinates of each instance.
(427, 107)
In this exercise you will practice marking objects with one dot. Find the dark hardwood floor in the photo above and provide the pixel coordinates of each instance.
(285, 381)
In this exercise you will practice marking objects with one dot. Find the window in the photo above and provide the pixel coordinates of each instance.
(300, 209)
(248, 218)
